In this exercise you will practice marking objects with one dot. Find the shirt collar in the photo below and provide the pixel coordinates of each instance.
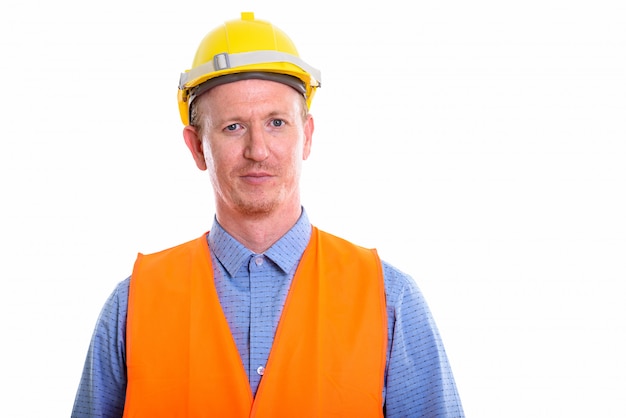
(285, 253)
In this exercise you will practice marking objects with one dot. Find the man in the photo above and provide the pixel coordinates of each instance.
(265, 315)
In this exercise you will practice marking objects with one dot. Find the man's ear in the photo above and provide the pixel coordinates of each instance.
(194, 143)
(309, 127)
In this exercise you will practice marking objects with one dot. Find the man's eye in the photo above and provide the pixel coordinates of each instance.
(232, 127)
(278, 123)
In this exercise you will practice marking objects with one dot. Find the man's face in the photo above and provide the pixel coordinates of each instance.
(254, 140)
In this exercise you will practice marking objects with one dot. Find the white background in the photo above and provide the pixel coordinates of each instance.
(479, 145)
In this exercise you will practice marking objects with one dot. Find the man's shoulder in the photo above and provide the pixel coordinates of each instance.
(333, 238)
(186, 246)
(396, 276)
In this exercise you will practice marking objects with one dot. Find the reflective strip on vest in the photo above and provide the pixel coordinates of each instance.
(327, 360)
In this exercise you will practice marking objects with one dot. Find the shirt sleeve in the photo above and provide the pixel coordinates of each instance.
(102, 388)
(419, 380)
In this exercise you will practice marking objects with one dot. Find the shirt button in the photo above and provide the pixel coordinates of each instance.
(260, 370)
(259, 261)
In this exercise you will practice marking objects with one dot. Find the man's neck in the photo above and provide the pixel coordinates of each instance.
(260, 232)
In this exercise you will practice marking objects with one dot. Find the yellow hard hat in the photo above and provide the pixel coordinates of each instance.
(243, 49)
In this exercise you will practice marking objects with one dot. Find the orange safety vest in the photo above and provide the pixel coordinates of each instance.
(327, 359)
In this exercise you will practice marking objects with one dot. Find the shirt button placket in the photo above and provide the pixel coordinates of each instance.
(258, 288)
